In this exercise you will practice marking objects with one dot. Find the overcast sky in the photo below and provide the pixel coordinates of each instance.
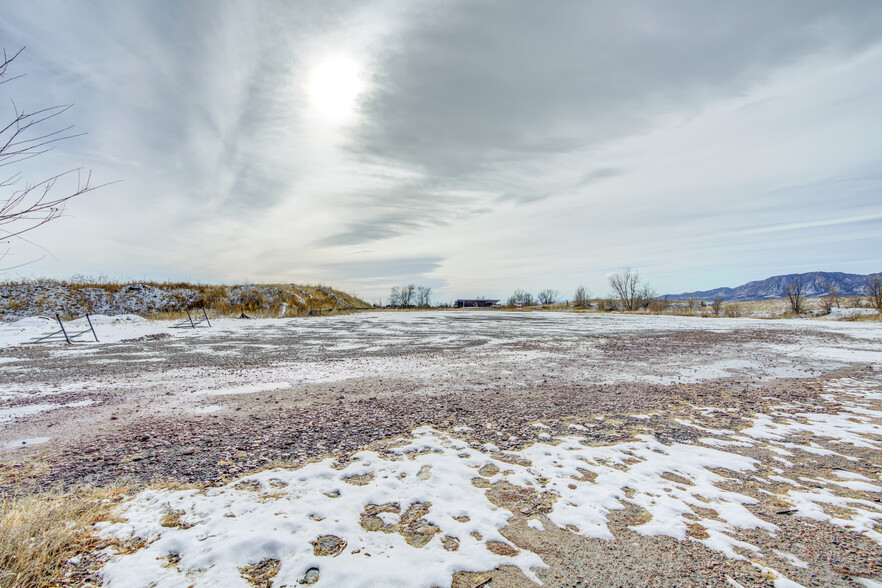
(474, 147)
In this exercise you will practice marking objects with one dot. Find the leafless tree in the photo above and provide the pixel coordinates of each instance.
(395, 297)
(549, 296)
(624, 285)
(645, 296)
(796, 295)
(520, 297)
(832, 298)
(408, 295)
(659, 305)
(580, 298)
(855, 302)
(32, 204)
(717, 304)
(403, 297)
(423, 295)
(873, 289)
(606, 304)
(627, 287)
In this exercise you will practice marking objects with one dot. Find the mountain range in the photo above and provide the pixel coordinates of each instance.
(814, 285)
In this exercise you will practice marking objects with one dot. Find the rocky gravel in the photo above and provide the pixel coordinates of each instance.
(151, 409)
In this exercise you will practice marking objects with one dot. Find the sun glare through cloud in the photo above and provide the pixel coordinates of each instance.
(441, 293)
(380, 143)
(334, 86)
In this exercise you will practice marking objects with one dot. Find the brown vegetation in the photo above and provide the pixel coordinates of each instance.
(81, 295)
(40, 533)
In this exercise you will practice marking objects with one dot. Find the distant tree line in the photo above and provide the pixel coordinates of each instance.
(629, 292)
(410, 296)
(797, 299)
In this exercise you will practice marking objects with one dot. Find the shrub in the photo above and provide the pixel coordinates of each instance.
(874, 291)
(717, 304)
(39, 533)
(580, 298)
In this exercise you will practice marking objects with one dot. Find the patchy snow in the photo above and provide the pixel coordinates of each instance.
(791, 559)
(280, 513)
(838, 314)
(722, 442)
(846, 427)
(850, 475)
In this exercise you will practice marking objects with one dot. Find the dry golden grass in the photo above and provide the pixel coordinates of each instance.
(172, 518)
(769, 309)
(39, 533)
(22, 473)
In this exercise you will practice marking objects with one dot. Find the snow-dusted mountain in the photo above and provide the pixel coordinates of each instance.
(814, 285)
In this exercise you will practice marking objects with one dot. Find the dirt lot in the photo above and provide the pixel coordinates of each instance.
(212, 405)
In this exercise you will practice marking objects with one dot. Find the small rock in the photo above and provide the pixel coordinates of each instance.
(328, 545)
(311, 577)
(488, 470)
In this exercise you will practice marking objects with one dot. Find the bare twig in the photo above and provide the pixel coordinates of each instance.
(32, 205)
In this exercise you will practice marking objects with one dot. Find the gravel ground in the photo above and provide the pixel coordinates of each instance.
(229, 402)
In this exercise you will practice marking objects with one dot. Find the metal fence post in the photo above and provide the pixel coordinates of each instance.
(94, 334)
(58, 318)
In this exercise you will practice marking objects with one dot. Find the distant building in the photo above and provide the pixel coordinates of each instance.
(475, 303)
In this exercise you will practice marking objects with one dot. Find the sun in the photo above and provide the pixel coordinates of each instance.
(334, 86)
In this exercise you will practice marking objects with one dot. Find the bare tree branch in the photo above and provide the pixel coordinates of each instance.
(796, 295)
(873, 289)
(30, 205)
(549, 296)
(580, 298)
(624, 284)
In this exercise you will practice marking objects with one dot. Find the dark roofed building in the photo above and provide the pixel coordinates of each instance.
(475, 303)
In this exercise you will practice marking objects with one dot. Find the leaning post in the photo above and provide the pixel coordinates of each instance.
(58, 318)
(94, 334)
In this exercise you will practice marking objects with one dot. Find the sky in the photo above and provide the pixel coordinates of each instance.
(473, 147)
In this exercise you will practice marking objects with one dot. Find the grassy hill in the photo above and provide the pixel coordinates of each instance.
(152, 299)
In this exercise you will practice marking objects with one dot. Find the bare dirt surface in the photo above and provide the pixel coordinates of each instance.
(211, 405)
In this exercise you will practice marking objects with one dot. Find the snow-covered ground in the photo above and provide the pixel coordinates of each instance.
(372, 331)
(436, 501)
(360, 507)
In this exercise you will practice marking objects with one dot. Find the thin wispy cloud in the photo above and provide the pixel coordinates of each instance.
(477, 147)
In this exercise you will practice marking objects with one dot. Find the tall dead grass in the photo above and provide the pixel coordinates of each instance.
(40, 533)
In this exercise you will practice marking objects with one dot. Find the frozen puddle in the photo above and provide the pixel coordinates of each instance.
(27, 442)
(9, 414)
(244, 389)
